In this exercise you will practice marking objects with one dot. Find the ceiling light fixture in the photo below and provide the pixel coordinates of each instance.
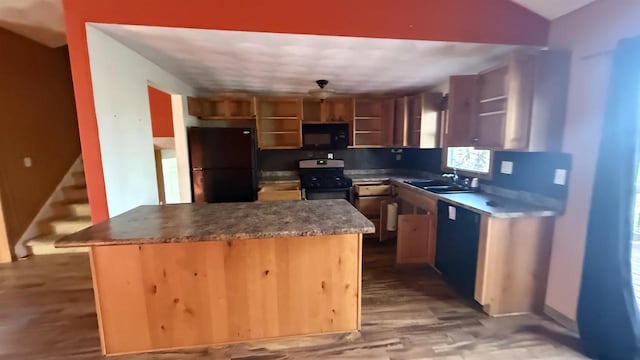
(321, 93)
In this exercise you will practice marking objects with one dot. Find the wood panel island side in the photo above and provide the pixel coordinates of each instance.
(186, 275)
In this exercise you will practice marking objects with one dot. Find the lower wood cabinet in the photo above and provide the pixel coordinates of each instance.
(513, 264)
(416, 236)
(512, 253)
(280, 192)
(416, 239)
(370, 198)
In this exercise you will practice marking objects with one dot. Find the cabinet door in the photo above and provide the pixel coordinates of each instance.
(400, 121)
(520, 90)
(414, 120)
(416, 239)
(337, 110)
(386, 234)
(459, 125)
(388, 107)
(195, 106)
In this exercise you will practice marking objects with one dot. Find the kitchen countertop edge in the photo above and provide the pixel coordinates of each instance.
(182, 223)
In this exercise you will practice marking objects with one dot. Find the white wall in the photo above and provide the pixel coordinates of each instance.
(591, 33)
(120, 78)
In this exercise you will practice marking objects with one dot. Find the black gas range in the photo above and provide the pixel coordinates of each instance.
(324, 179)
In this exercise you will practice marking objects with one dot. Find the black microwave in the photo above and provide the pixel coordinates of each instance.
(325, 136)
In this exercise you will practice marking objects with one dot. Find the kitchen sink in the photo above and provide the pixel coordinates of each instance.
(427, 183)
(438, 186)
(448, 189)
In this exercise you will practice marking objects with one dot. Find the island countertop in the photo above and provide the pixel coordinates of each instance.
(151, 224)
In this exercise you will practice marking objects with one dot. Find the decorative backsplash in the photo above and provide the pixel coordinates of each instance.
(355, 159)
(532, 172)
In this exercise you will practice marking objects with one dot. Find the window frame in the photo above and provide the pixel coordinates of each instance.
(467, 173)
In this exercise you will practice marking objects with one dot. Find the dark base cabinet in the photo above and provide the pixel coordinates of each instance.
(457, 241)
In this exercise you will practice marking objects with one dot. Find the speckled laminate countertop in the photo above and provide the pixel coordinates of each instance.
(500, 207)
(153, 224)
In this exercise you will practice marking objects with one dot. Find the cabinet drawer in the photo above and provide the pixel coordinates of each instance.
(372, 189)
(370, 206)
(417, 200)
(280, 192)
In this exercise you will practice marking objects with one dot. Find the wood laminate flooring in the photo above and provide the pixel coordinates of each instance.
(47, 312)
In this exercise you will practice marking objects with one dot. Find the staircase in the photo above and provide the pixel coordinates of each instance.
(69, 215)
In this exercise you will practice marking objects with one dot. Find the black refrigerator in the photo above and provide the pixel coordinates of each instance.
(223, 164)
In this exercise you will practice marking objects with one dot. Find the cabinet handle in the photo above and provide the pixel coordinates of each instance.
(475, 140)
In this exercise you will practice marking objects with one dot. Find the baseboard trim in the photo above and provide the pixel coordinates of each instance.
(560, 318)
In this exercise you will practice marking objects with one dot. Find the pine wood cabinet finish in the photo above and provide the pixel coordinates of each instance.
(416, 239)
(371, 198)
(222, 108)
(518, 105)
(166, 296)
(513, 253)
(416, 228)
(458, 126)
(513, 262)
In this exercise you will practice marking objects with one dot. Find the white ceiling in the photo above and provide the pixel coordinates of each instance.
(39, 20)
(552, 9)
(214, 60)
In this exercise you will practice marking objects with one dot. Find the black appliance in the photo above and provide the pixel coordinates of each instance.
(324, 179)
(325, 136)
(457, 246)
(223, 164)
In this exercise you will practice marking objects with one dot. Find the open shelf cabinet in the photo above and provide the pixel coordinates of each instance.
(279, 123)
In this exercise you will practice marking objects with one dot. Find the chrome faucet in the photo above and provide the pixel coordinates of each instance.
(454, 177)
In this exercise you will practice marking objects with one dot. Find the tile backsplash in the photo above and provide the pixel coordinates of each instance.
(355, 159)
(532, 172)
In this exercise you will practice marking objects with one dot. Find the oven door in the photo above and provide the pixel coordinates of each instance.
(327, 194)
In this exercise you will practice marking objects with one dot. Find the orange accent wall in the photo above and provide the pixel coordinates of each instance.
(486, 21)
(38, 121)
(161, 113)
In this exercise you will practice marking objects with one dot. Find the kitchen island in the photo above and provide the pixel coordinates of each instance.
(186, 275)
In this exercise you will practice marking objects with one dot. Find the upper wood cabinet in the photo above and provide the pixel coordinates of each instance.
(330, 110)
(416, 120)
(279, 123)
(459, 120)
(519, 105)
(337, 110)
(504, 98)
(221, 108)
(373, 122)
(400, 121)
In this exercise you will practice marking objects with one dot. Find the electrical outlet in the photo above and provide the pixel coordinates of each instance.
(27, 162)
(560, 177)
(330, 156)
(398, 157)
(506, 167)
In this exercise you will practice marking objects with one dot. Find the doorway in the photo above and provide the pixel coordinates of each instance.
(162, 125)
